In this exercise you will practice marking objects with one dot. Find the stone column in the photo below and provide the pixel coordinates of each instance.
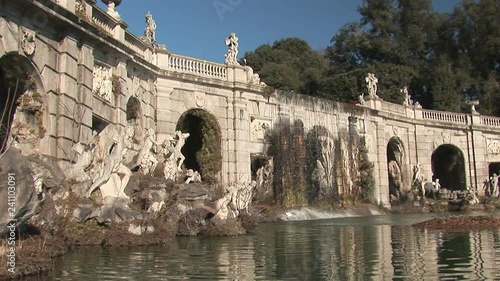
(164, 124)
(380, 169)
(121, 98)
(85, 77)
(241, 139)
(68, 95)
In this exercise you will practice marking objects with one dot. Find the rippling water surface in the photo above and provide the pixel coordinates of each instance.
(383, 247)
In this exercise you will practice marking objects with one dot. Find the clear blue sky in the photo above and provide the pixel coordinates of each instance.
(197, 28)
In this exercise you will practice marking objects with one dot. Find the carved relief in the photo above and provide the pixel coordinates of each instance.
(259, 128)
(136, 86)
(28, 41)
(81, 8)
(102, 83)
(395, 130)
(368, 143)
(446, 137)
(199, 99)
(492, 146)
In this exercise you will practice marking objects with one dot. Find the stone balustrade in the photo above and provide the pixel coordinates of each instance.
(490, 121)
(103, 21)
(443, 116)
(197, 67)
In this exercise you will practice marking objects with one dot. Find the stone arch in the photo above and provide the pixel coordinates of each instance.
(23, 110)
(321, 150)
(448, 165)
(203, 147)
(395, 166)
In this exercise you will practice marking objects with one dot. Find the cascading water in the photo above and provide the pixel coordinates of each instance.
(311, 213)
(318, 154)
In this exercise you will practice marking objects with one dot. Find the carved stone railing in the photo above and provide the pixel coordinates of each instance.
(103, 21)
(443, 116)
(490, 121)
(197, 67)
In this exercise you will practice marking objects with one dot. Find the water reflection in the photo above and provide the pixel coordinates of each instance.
(370, 248)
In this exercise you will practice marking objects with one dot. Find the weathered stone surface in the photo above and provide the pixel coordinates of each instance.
(24, 198)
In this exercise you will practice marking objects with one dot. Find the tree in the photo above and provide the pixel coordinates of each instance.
(289, 64)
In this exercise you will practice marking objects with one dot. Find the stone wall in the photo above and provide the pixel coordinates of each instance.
(70, 47)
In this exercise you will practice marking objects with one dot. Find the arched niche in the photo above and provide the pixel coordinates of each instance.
(448, 165)
(203, 148)
(23, 112)
(395, 166)
(134, 111)
(134, 118)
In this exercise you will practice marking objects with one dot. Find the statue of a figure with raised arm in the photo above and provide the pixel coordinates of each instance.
(150, 31)
(232, 51)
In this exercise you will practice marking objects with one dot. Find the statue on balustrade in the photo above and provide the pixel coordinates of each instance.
(372, 82)
(232, 52)
(150, 31)
(407, 101)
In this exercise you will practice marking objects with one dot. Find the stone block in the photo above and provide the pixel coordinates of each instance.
(50, 79)
(69, 46)
(68, 85)
(103, 109)
(85, 76)
(67, 106)
(65, 127)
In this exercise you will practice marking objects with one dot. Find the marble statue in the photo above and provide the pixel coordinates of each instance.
(236, 201)
(431, 188)
(167, 149)
(150, 31)
(107, 178)
(232, 51)
(372, 82)
(192, 176)
(361, 100)
(418, 180)
(407, 101)
(171, 150)
(83, 163)
(396, 175)
(146, 158)
(177, 155)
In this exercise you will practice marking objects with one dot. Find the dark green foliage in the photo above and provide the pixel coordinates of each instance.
(289, 64)
(209, 156)
(443, 58)
(288, 151)
(366, 179)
